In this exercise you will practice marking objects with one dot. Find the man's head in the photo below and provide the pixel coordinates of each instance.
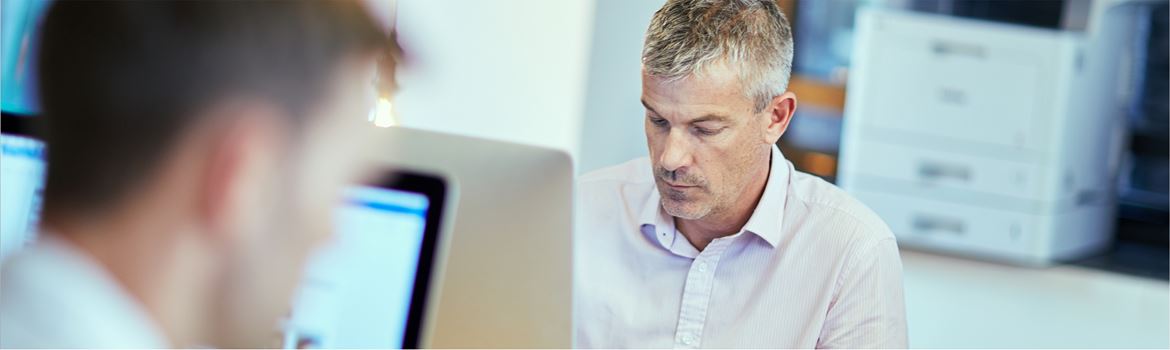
(226, 127)
(714, 81)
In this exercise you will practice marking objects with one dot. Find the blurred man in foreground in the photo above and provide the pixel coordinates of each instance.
(196, 151)
(715, 240)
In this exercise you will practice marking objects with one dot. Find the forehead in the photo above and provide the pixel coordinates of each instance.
(717, 90)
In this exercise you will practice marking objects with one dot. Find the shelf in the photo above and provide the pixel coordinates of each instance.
(813, 92)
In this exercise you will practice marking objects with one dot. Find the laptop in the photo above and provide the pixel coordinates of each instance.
(372, 286)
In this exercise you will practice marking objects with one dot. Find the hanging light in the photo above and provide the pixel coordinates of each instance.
(383, 113)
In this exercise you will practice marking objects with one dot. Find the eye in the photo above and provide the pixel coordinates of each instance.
(659, 122)
(708, 132)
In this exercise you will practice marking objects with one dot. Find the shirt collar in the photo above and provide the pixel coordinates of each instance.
(655, 221)
(766, 219)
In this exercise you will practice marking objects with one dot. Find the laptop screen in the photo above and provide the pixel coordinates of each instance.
(357, 291)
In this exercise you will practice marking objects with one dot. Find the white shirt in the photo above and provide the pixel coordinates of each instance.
(812, 267)
(54, 296)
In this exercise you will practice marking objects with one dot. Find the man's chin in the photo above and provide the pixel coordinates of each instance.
(682, 209)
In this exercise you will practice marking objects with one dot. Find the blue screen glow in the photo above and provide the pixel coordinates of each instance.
(357, 291)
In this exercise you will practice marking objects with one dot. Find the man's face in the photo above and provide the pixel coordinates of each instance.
(706, 141)
(294, 207)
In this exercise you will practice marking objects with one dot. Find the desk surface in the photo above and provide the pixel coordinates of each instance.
(957, 302)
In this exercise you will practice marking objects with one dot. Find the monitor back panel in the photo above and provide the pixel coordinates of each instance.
(507, 280)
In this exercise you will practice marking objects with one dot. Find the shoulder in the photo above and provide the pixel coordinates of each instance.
(835, 212)
(33, 307)
(842, 229)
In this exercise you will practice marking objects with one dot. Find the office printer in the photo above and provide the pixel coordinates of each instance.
(987, 139)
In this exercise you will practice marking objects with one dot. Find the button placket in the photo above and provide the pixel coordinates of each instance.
(697, 295)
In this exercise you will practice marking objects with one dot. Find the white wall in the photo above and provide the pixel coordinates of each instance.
(509, 70)
(536, 72)
(612, 131)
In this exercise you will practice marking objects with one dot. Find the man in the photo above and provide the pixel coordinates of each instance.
(196, 151)
(714, 240)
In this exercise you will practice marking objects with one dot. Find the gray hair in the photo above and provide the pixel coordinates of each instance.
(687, 36)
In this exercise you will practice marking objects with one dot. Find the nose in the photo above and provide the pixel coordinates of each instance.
(676, 152)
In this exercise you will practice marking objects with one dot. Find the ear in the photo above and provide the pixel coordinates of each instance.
(241, 160)
(780, 111)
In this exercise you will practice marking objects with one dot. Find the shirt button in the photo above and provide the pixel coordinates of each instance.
(702, 267)
(688, 339)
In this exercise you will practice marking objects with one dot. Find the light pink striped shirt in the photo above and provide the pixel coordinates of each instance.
(812, 267)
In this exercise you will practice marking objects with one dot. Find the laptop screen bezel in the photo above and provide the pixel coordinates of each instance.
(435, 189)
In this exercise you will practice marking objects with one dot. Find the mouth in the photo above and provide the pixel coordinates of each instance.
(677, 186)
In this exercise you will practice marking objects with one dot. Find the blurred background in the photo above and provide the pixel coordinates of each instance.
(1018, 149)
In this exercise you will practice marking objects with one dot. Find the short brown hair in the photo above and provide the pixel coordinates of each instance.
(120, 81)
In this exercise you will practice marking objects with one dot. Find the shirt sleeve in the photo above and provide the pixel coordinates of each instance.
(869, 310)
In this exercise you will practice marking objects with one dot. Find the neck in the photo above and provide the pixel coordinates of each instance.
(725, 223)
(143, 257)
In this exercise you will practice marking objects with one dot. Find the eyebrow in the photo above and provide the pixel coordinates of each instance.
(647, 105)
(710, 118)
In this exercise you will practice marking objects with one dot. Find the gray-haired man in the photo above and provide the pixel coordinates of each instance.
(715, 240)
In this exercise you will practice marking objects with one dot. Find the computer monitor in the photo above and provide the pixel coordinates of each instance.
(370, 287)
(22, 180)
(22, 163)
(20, 26)
(507, 281)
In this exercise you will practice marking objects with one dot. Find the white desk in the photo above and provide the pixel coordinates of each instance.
(954, 302)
